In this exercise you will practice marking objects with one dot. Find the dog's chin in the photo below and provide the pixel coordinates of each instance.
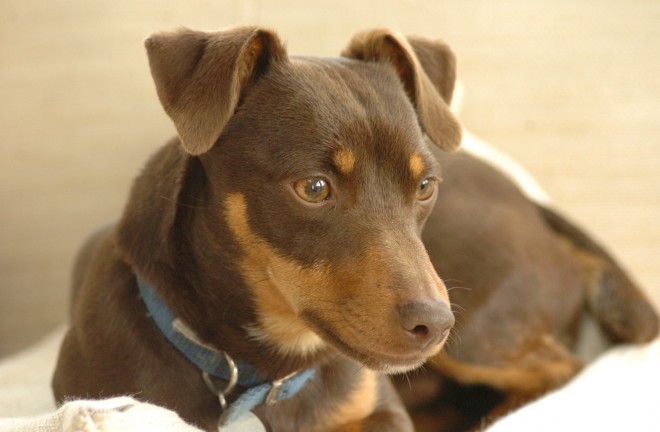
(392, 369)
(393, 364)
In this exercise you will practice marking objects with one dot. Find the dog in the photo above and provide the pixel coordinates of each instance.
(292, 233)
(269, 259)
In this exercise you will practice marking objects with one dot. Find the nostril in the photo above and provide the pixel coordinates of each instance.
(420, 331)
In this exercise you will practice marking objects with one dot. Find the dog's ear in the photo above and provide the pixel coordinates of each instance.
(427, 70)
(200, 77)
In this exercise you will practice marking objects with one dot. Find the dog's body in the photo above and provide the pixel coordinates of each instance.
(284, 225)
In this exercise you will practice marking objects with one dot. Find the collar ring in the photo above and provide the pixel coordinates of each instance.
(231, 382)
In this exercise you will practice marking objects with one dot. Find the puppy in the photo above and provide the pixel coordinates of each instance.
(269, 258)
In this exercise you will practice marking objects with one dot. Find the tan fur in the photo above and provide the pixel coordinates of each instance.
(278, 319)
(344, 160)
(544, 365)
(358, 404)
(416, 165)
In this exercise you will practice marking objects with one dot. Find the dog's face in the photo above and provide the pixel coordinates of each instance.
(327, 198)
(323, 179)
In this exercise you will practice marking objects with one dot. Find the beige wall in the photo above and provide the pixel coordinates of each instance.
(570, 89)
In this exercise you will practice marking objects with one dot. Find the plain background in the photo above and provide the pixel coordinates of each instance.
(569, 89)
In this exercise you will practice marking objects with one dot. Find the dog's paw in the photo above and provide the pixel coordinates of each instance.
(120, 414)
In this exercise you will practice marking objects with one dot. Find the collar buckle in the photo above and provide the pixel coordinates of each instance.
(271, 398)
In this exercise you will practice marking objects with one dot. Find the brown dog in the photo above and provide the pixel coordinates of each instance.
(282, 228)
(276, 242)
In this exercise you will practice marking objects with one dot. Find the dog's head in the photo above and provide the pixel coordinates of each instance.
(316, 182)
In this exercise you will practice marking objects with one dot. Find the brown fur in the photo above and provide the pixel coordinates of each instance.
(214, 225)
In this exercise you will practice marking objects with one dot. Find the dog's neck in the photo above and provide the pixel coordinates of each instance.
(213, 362)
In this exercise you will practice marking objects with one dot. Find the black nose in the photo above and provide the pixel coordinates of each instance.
(427, 322)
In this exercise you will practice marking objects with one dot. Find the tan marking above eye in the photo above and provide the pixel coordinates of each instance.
(344, 160)
(416, 165)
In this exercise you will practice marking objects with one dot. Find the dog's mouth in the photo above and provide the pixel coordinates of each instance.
(362, 350)
(385, 334)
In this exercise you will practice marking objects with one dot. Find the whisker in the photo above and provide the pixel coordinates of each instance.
(452, 280)
(458, 287)
(456, 305)
(406, 375)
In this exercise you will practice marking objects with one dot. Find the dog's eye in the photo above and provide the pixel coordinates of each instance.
(313, 189)
(425, 189)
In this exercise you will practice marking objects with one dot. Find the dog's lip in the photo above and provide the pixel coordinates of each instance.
(390, 363)
(378, 361)
(383, 362)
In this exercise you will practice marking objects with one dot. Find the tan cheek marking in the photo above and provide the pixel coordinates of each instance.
(358, 404)
(276, 303)
(417, 165)
(344, 160)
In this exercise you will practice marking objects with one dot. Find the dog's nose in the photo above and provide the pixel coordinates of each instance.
(427, 322)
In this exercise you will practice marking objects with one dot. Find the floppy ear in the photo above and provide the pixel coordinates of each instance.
(200, 76)
(427, 70)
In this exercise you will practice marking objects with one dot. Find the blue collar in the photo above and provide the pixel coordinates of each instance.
(219, 364)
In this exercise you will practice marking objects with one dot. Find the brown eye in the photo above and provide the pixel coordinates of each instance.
(313, 189)
(425, 189)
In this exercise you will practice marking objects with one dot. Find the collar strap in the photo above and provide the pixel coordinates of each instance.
(219, 364)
